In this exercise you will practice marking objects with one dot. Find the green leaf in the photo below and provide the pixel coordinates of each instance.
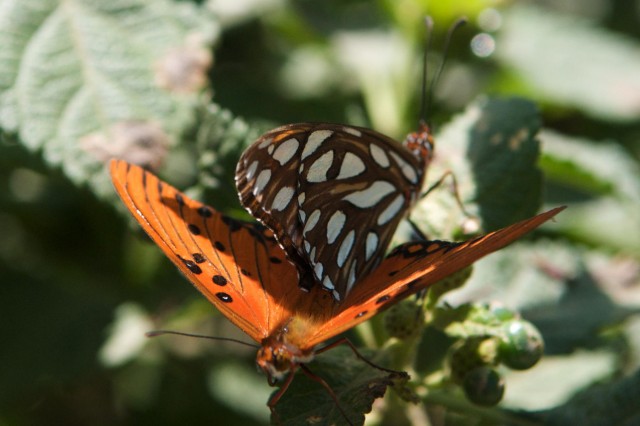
(556, 378)
(570, 322)
(220, 140)
(492, 151)
(86, 80)
(611, 404)
(604, 181)
(472, 320)
(503, 152)
(570, 61)
(355, 383)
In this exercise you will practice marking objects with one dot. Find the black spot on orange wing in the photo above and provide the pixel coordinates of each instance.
(233, 225)
(205, 212)
(224, 297)
(192, 266)
(219, 280)
(383, 299)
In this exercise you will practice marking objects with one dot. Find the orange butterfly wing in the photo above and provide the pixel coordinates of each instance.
(242, 270)
(237, 266)
(414, 266)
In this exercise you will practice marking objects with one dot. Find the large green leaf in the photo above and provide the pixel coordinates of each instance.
(220, 140)
(570, 61)
(604, 182)
(84, 80)
(355, 383)
(492, 151)
(611, 404)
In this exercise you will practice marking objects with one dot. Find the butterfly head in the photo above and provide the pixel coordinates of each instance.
(421, 144)
(276, 358)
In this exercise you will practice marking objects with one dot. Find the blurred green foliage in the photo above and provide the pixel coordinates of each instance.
(184, 86)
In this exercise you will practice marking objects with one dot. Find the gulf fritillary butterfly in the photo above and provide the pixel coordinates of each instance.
(338, 195)
(242, 270)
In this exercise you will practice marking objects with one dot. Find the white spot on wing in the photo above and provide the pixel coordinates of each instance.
(286, 150)
(318, 270)
(334, 226)
(261, 181)
(371, 196)
(301, 198)
(314, 217)
(318, 170)
(351, 166)
(379, 156)
(251, 170)
(408, 170)
(270, 149)
(314, 141)
(391, 210)
(351, 130)
(327, 284)
(264, 143)
(302, 216)
(336, 295)
(345, 248)
(352, 276)
(282, 198)
(371, 245)
(307, 247)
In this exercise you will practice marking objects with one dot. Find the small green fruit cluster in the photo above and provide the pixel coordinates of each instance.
(505, 339)
(405, 319)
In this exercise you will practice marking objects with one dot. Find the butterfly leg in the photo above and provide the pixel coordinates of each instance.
(472, 224)
(273, 401)
(456, 193)
(345, 341)
(325, 385)
(416, 230)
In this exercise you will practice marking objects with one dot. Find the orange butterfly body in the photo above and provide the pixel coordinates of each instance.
(243, 271)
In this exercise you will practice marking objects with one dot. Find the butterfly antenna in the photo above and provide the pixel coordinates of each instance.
(428, 23)
(445, 51)
(156, 333)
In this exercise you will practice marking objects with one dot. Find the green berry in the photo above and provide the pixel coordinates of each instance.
(502, 313)
(484, 386)
(521, 345)
(471, 353)
(404, 319)
(452, 282)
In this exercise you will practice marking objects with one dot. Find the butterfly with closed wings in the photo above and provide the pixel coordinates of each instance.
(333, 195)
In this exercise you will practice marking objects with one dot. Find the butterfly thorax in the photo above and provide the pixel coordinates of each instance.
(421, 144)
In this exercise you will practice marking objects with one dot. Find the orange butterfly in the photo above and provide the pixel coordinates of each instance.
(241, 269)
